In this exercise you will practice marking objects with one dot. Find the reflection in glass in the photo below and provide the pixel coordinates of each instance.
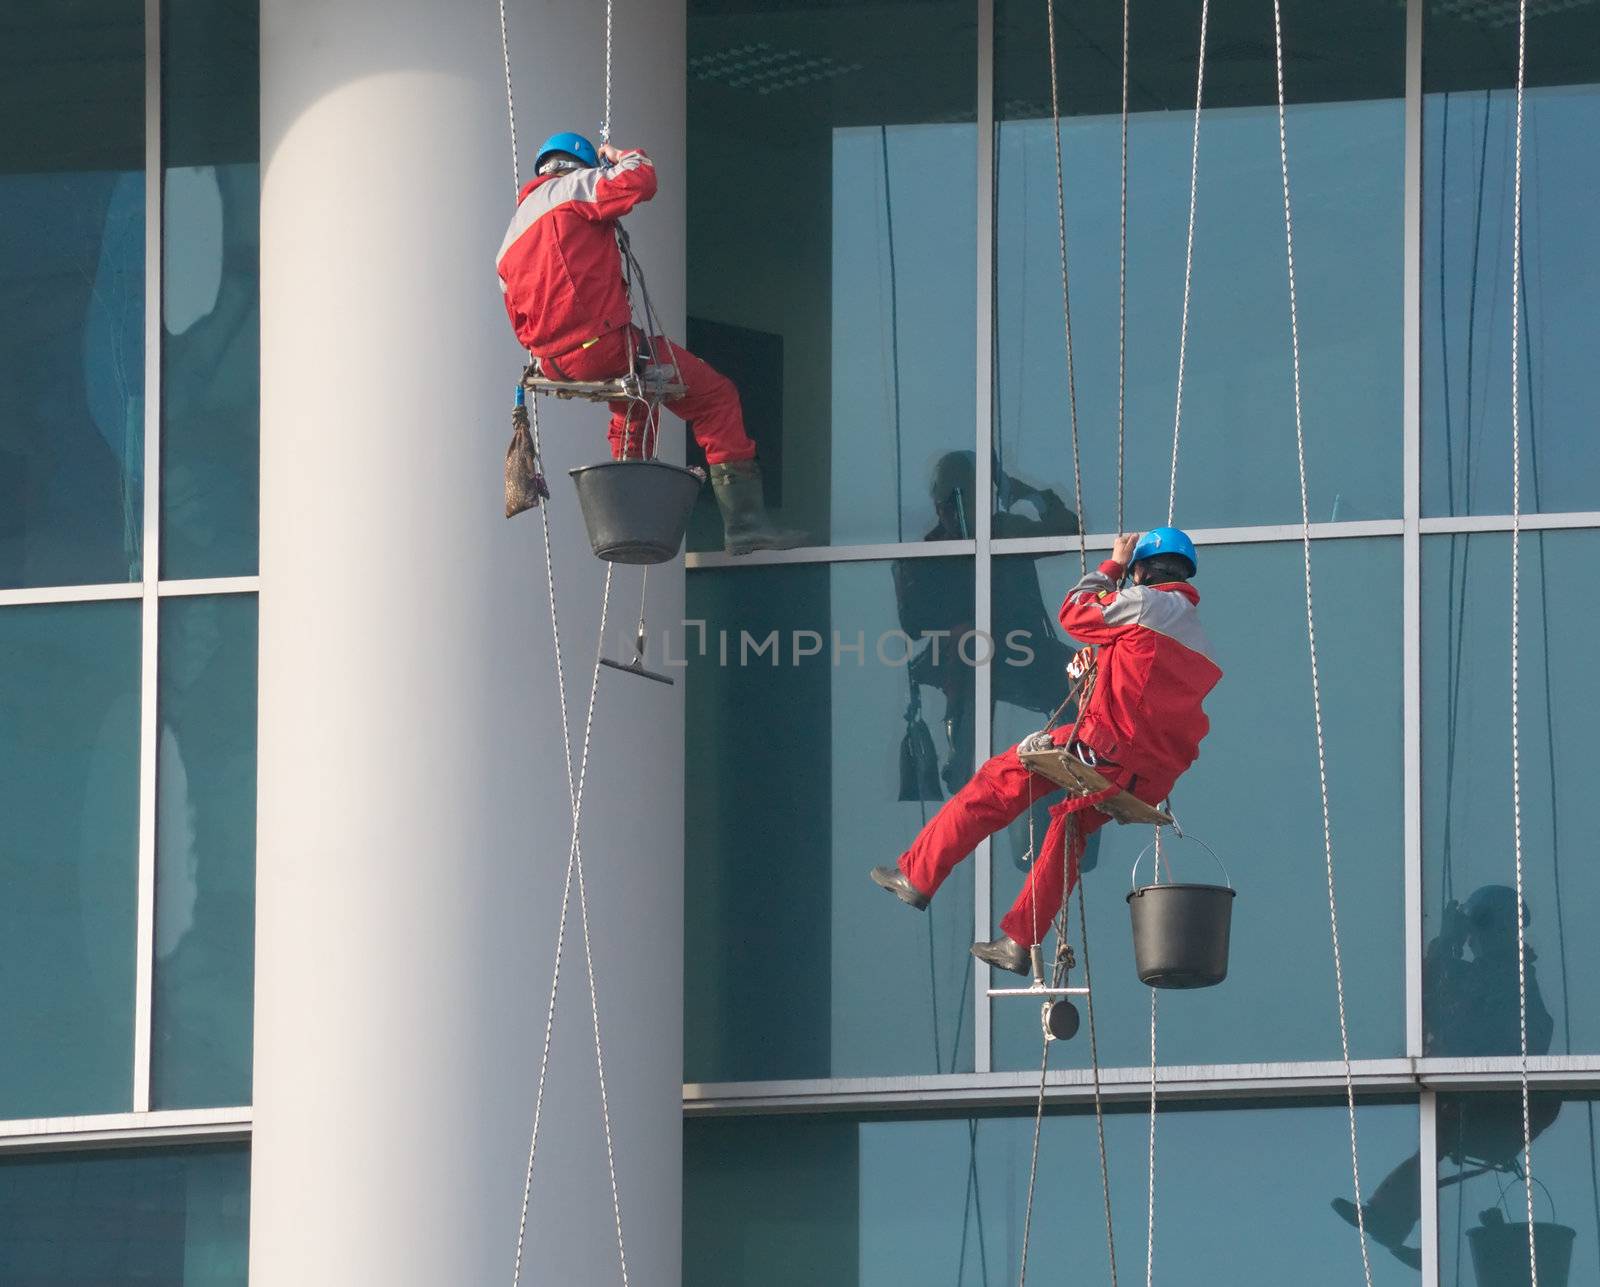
(69, 849)
(798, 761)
(164, 1216)
(1241, 1194)
(205, 853)
(1468, 137)
(1470, 989)
(832, 247)
(1253, 796)
(1483, 1204)
(210, 288)
(72, 295)
(1345, 135)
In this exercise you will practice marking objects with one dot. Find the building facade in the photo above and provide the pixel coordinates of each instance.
(281, 739)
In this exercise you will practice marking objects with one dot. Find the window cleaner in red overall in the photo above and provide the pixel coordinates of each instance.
(561, 275)
(1142, 728)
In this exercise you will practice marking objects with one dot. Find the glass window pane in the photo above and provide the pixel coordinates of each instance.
(1243, 1197)
(210, 288)
(1469, 116)
(205, 853)
(69, 795)
(1253, 797)
(804, 771)
(1470, 971)
(832, 248)
(72, 294)
(166, 1215)
(1346, 136)
(1483, 1206)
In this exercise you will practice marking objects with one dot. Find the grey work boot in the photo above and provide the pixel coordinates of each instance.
(1005, 953)
(894, 880)
(745, 526)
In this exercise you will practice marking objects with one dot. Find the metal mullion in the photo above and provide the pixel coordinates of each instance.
(149, 672)
(1502, 522)
(1428, 1178)
(829, 554)
(70, 594)
(983, 438)
(1411, 539)
(209, 585)
(1262, 534)
(101, 1130)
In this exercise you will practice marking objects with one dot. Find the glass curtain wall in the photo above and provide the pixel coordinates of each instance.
(128, 446)
(836, 1040)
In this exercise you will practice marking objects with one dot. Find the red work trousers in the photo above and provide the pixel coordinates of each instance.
(999, 793)
(711, 402)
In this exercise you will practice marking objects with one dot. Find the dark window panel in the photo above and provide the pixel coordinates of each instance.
(69, 797)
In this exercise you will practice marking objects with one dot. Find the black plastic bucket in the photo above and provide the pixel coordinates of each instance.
(1180, 932)
(636, 510)
(1500, 1253)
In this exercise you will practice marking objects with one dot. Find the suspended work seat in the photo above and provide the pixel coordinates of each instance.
(653, 384)
(1079, 779)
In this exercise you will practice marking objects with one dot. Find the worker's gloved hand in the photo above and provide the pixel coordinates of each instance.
(611, 155)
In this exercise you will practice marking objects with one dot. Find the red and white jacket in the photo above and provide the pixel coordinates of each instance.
(560, 270)
(1155, 669)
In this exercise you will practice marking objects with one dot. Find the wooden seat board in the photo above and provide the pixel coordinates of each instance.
(1080, 779)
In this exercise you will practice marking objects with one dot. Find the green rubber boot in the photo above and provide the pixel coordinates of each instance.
(745, 525)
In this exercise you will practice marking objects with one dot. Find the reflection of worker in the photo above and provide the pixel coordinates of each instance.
(561, 274)
(935, 598)
(1141, 728)
(1471, 1006)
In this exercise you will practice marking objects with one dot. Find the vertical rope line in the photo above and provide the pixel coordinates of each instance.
(1516, 624)
(1188, 257)
(1066, 292)
(511, 102)
(1122, 282)
(1311, 636)
(605, 122)
(1150, 1164)
(1094, 1069)
(894, 337)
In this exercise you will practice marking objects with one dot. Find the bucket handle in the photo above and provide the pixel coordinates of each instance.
(1133, 876)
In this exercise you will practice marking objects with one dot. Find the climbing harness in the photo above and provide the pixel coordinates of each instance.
(1516, 624)
(576, 780)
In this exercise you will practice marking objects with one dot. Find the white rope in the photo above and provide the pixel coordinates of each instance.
(1150, 1172)
(1122, 275)
(1188, 257)
(1311, 636)
(1516, 624)
(575, 786)
(605, 123)
(511, 102)
(1094, 1069)
(1066, 292)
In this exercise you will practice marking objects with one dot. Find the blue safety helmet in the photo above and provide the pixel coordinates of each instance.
(1166, 540)
(572, 144)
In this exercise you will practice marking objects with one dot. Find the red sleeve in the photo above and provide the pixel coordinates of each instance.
(618, 188)
(1095, 611)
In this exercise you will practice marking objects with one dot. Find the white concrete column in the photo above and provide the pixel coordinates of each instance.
(413, 806)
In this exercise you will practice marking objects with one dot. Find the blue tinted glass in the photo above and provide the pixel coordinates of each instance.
(1253, 797)
(803, 773)
(1243, 1197)
(69, 795)
(205, 852)
(832, 249)
(1468, 161)
(210, 289)
(1470, 970)
(167, 1215)
(1345, 136)
(72, 294)
(1483, 1204)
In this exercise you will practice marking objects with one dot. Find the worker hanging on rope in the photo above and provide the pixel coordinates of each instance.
(561, 273)
(1141, 729)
